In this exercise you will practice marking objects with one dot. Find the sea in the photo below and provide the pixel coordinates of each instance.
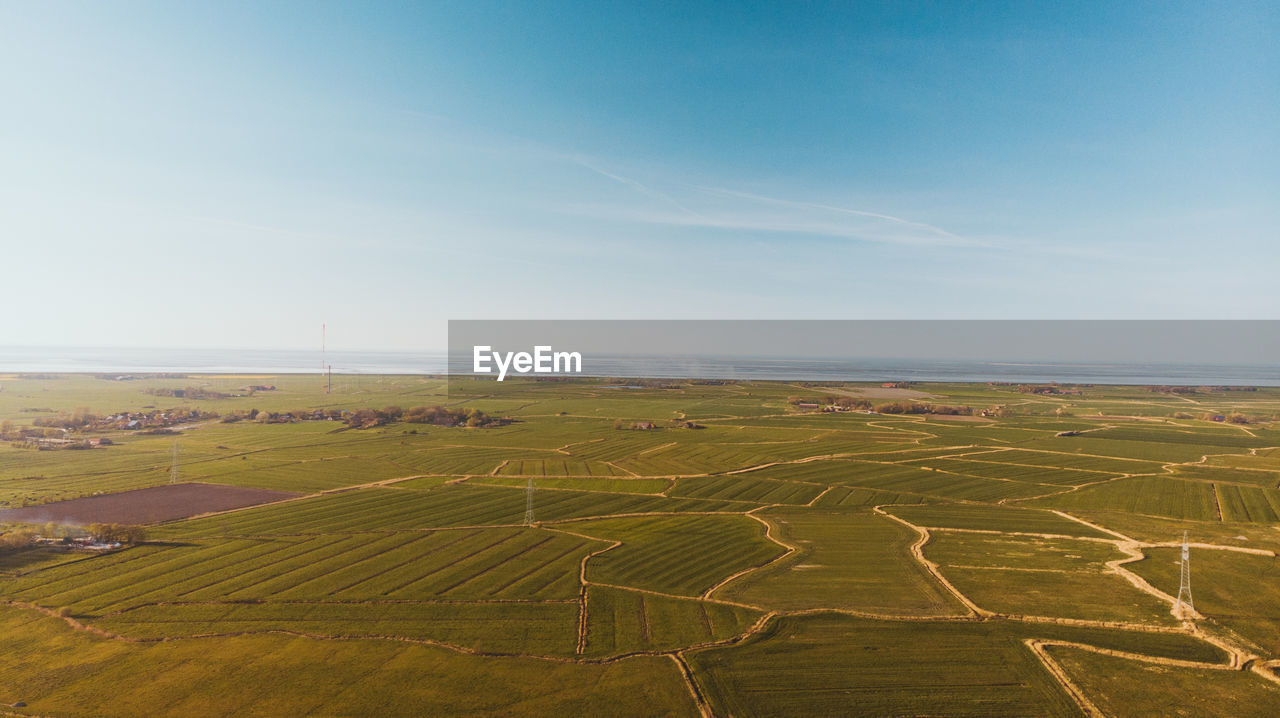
(91, 360)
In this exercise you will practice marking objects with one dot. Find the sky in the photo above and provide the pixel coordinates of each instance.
(234, 174)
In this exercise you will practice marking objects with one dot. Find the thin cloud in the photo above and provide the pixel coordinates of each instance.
(634, 184)
(776, 224)
(830, 208)
(744, 211)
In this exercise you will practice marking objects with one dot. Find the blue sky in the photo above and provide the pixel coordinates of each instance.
(234, 174)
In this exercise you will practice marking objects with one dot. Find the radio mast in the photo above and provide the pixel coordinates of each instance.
(324, 383)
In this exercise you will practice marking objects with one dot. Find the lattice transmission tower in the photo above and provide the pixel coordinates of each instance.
(528, 503)
(173, 468)
(1185, 607)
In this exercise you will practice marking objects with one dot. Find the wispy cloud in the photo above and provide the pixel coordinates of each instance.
(843, 210)
(636, 185)
(727, 209)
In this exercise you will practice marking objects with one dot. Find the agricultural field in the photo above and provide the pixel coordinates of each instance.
(1116, 686)
(857, 561)
(1035, 576)
(832, 664)
(1238, 591)
(613, 548)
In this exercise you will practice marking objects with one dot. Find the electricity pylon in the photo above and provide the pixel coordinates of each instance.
(1185, 606)
(173, 469)
(528, 503)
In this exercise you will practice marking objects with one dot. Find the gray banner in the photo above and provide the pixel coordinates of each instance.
(1081, 351)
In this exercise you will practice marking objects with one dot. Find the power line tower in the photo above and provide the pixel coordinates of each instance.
(1185, 606)
(528, 503)
(173, 469)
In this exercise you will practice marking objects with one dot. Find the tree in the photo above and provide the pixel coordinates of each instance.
(17, 538)
(118, 533)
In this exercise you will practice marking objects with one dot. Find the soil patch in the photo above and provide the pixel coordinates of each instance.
(145, 506)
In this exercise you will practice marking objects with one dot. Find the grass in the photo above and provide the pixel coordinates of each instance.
(514, 628)
(838, 665)
(1015, 472)
(847, 560)
(266, 675)
(1125, 687)
(1238, 591)
(624, 622)
(1158, 529)
(994, 518)
(1252, 477)
(852, 497)
(1248, 504)
(682, 555)
(439, 507)
(610, 485)
(1043, 577)
(744, 487)
(404, 581)
(1067, 460)
(463, 564)
(556, 466)
(1150, 495)
(905, 479)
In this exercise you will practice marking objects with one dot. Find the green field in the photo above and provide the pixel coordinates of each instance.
(770, 562)
(829, 665)
(1123, 687)
(1043, 577)
(858, 561)
(1238, 591)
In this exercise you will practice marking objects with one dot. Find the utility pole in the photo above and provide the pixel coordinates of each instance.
(1185, 606)
(528, 503)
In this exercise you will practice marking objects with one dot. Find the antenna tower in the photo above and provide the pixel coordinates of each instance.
(1185, 607)
(173, 469)
(528, 503)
